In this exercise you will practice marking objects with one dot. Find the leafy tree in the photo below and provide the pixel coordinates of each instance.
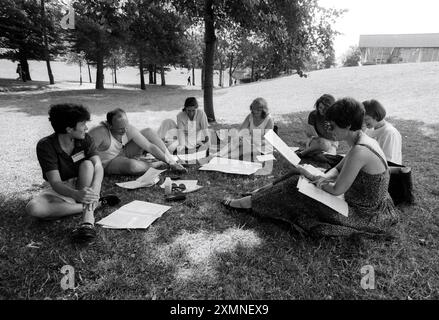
(155, 34)
(29, 30)
(117, 60)
(193, 51)
(98, 30)
(76, 58)
(291, 30)
(352, 57)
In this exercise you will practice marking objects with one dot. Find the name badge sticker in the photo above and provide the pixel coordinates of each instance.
(78, 156)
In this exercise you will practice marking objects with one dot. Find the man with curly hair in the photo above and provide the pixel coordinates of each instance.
(72, 169)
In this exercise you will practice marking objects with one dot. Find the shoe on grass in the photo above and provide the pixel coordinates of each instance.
(84, 234)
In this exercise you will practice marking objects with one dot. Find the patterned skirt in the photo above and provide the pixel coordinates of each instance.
(284, 202)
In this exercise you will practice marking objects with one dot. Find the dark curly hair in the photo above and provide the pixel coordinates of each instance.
(67, 115)
(346, 112)
(327, 100)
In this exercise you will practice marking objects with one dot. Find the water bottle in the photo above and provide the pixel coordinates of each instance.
(168, 186)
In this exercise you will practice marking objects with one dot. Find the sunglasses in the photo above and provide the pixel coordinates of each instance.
(181, 187)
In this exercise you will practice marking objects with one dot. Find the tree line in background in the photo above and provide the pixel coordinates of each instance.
(255, 38)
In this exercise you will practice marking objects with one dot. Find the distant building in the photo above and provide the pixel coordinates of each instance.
(399, 48)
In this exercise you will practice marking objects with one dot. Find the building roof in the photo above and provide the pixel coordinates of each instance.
(419, 40)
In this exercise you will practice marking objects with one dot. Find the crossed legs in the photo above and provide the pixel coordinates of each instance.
(49, 206)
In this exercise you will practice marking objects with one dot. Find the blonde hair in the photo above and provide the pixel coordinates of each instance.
(262, 103)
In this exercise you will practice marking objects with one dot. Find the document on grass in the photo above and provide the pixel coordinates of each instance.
(134, 215)
(282, 147)
(231, 166)
(192, 156)
(191, 185)
(265, 157)
(150, 178)
(336, 203)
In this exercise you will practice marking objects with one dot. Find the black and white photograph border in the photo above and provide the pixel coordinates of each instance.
(147, 58)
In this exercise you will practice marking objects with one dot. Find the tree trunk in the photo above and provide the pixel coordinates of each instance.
(155, 74)
(100, 71)
(89, 72)
(162, 74)
(25, 68)
(80, 73)
(209, 56)
(253, 71)
(151, 73)
(46, 43)
(142, 74)
(193, 76)
(115, 74)
(202, 77)
(231, 70)
(220, 82)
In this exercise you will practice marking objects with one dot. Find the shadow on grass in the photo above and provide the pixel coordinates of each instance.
(155, 98)
(199, 250)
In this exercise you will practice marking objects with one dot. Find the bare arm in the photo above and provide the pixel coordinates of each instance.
(270, 125)
(85, 196)
(100, 137)
(353, 163)
(98, 174)
(142, 142)
(245, 124)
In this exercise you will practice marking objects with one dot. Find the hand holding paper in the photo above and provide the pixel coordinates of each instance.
(150, 178)
(281, 146)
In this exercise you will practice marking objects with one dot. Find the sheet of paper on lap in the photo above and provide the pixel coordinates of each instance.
(336, 203)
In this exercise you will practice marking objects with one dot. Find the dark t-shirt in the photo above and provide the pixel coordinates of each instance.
(52, 157)
(320, 125)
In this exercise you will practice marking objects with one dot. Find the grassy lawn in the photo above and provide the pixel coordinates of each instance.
(198, 250)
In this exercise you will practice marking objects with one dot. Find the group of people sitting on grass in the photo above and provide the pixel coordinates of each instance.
(74, 161)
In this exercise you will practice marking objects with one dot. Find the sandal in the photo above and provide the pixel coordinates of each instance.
(227, 203)
(247, 194)
(176, 197)
(110, 200)
(85, 233)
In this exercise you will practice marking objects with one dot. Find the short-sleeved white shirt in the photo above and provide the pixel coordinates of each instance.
(390, 142)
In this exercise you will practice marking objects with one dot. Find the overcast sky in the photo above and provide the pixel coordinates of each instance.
(382, 17)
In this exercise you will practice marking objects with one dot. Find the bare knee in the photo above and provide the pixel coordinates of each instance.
(86, 165)
(147, 132)
(35, 208)
(135, 167)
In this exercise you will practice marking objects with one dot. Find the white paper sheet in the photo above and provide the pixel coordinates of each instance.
(134, 215)
(313, 170)
(191, 185)
(192, 156)
(265, 158)
(150, 178)
(282, 147)
(231, 166)
(336, 203)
